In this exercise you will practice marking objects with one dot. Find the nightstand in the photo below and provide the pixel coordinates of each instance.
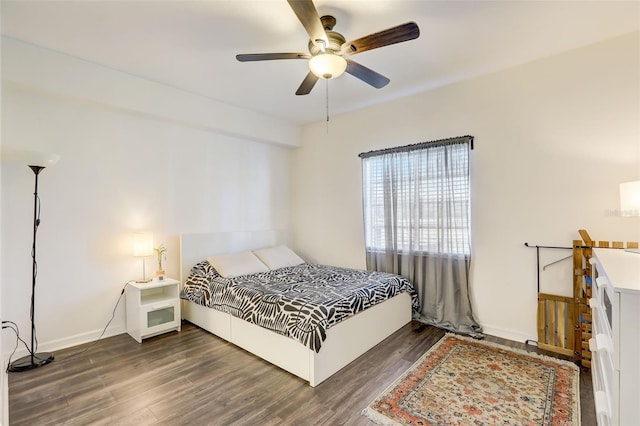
(152, 308)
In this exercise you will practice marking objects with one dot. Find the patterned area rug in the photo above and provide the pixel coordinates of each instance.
(461, 381)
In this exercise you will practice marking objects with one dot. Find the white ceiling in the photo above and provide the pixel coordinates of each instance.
(192, 45)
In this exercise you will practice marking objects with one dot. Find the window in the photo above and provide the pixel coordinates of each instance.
(416, 203)
(418, 199)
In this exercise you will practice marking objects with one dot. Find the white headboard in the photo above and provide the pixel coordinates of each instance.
(195, 248)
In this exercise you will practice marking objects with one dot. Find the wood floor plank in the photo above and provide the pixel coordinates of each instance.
(192, 377)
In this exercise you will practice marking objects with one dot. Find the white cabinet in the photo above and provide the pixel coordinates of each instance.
(615, 346)
(152, 308)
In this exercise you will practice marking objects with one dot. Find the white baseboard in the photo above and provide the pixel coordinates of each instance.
(66, 342)
(517, 336)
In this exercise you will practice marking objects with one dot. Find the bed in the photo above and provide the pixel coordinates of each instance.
(341, 343)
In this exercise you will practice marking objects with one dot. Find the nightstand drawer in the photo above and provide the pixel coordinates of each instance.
(159, 316)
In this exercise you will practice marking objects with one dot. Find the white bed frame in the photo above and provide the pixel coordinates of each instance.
(345, 341)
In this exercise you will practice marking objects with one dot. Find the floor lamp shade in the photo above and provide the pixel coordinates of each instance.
(630, 198)
(32, 158)
(37, 161)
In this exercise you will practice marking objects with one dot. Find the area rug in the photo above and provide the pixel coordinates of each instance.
(461, 381)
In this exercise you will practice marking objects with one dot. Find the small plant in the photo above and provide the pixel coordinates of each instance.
(161, 250)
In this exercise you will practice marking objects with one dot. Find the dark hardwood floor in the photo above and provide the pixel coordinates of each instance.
(195, 378)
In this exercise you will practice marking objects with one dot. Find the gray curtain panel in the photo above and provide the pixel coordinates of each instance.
(416, 202)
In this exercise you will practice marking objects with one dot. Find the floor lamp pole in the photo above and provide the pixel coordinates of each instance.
(33, 360)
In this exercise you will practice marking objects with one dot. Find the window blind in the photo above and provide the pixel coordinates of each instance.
(418, 199)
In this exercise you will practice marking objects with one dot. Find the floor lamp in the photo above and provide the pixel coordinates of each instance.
(37, 162)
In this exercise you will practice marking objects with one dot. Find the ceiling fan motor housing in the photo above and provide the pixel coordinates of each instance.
(336, 40)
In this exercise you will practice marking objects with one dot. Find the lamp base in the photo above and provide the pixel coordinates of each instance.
(30, 362)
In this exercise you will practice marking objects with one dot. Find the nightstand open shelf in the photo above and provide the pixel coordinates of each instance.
(152, 308)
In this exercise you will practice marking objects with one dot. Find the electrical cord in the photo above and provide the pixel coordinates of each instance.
(36, 225)
(13, 326)
(95, 342)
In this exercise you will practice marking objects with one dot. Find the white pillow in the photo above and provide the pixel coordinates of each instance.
(278, 257)
(236, 264)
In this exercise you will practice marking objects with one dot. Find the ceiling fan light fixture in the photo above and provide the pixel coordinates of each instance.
(328, 65)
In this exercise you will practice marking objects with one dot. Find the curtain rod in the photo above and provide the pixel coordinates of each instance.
(419, 145)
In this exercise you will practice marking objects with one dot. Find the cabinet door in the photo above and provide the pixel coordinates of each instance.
(629, 359)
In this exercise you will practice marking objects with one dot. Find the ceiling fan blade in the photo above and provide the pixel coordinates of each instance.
(397, 34)
(309, 18)
(249, 57)
(307, 84)
(367, 75)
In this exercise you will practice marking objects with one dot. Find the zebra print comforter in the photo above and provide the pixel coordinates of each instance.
(300, 302)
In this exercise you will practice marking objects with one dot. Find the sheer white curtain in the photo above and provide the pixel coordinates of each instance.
(417, 224)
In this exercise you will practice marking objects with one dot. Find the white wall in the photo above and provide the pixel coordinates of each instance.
(51, 72)
(124, 167)
(554, 138)
(4, 382)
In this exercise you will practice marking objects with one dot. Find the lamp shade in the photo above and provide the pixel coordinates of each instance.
(630, 198)
(327, 65)
(142, 244)
(31, 158)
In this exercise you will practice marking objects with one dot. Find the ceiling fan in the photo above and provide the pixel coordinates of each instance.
(329, 52)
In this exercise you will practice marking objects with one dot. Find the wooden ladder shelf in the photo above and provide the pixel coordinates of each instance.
(564, 323)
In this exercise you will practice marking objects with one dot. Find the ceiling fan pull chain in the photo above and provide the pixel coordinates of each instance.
(327, 99)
